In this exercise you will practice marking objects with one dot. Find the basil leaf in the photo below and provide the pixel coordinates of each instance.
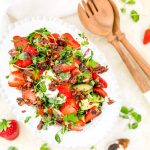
(134, 15)
(27, 119)
(124, 110)
(131, 2)
(123, 10)
(133, 125)
(136, 116)
(44, 147)
(12, 148)
(92, 148)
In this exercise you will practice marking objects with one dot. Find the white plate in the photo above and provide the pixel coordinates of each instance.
(93, 132)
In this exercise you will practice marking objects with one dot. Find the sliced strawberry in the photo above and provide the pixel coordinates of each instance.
(100, 91)
(146, 37)
(68, 68)
(29, 94)
(73, 103)
(92, 113)
(75, 72)
(20, 41)
(9, 129)
(70, 40)
(67, 109)
(41, 111)
(65, 89)
(16, 79)
(32, 51)
(24, 63)
(53, 37)
(78, 126)
(102, 82)
(50, 111)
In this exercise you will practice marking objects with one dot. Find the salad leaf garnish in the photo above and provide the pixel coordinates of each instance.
(70, 118)
(12, 148)
(135, 16)
(133, 117)
(27, 119)
(44, 147)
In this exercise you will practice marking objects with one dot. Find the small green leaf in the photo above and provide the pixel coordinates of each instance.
(123, 10)
(7, 76)
(133, 125)
(23, 56)
(136, 116)
(43, 87)
(57, 138)
(12, 148)
(70, 118)
(64, 76)
(93, 148)
(84, 43)
(27, 119)
(44, 147)
(135, 16)
(131, 2)
(124, 110)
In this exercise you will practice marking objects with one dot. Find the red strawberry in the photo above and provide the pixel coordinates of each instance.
(100, 91)
(24, 63)
(146, 37)
(67, 109)
(9, 129)
(32, 51)
(70, 40)
(29, 94)
(20, 41)
(53, 37)
(41, 111)
(78, 126)
(102, 82)
(16, 79)
(65, 89)
(92, 113)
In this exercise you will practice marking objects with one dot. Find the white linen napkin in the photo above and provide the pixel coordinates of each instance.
(55, 8)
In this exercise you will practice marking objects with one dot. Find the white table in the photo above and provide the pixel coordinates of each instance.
(131, 95)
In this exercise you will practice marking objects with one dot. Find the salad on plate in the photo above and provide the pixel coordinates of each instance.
(55, 77)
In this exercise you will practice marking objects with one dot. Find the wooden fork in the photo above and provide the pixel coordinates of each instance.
(88, 16)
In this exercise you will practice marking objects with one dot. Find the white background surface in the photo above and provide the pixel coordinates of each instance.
(139, 138)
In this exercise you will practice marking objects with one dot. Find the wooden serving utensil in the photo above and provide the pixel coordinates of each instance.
(88, 16)
(121, 37)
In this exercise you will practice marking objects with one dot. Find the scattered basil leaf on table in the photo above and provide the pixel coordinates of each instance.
(44, 147)
(27, 119)
(12, 148)
(123, 10)
(133, 117)
(93, 148)
(135, 16)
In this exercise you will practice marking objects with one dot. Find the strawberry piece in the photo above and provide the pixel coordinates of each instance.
(53, 37)
(65, 89)
(92, 113)
(41, 111)
(73, 103)
(68, 68)
(24, 63)
(146, 37)
(78, 126)
(9, 129)
(29, 94)
(67, 109)
(32, 51)
(102, 82)
(16, 79)
(70, 40)
(100, 91)
(50, 111)
(20, 41)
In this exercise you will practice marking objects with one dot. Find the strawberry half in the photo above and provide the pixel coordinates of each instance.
(24, 63)
(9, 129)
(16, 79)
(146, 37)
(19, 41)
(29, 49)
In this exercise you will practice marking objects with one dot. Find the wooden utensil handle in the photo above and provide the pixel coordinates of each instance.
(138, 58)
(135, 70)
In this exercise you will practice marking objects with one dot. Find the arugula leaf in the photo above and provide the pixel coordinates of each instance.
(42, 87)
(12, 148)
(27, 119)
(70, 118)
(134, 15)
(44, 147)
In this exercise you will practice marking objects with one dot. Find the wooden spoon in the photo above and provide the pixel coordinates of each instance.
(104, 28)
(121, 37)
